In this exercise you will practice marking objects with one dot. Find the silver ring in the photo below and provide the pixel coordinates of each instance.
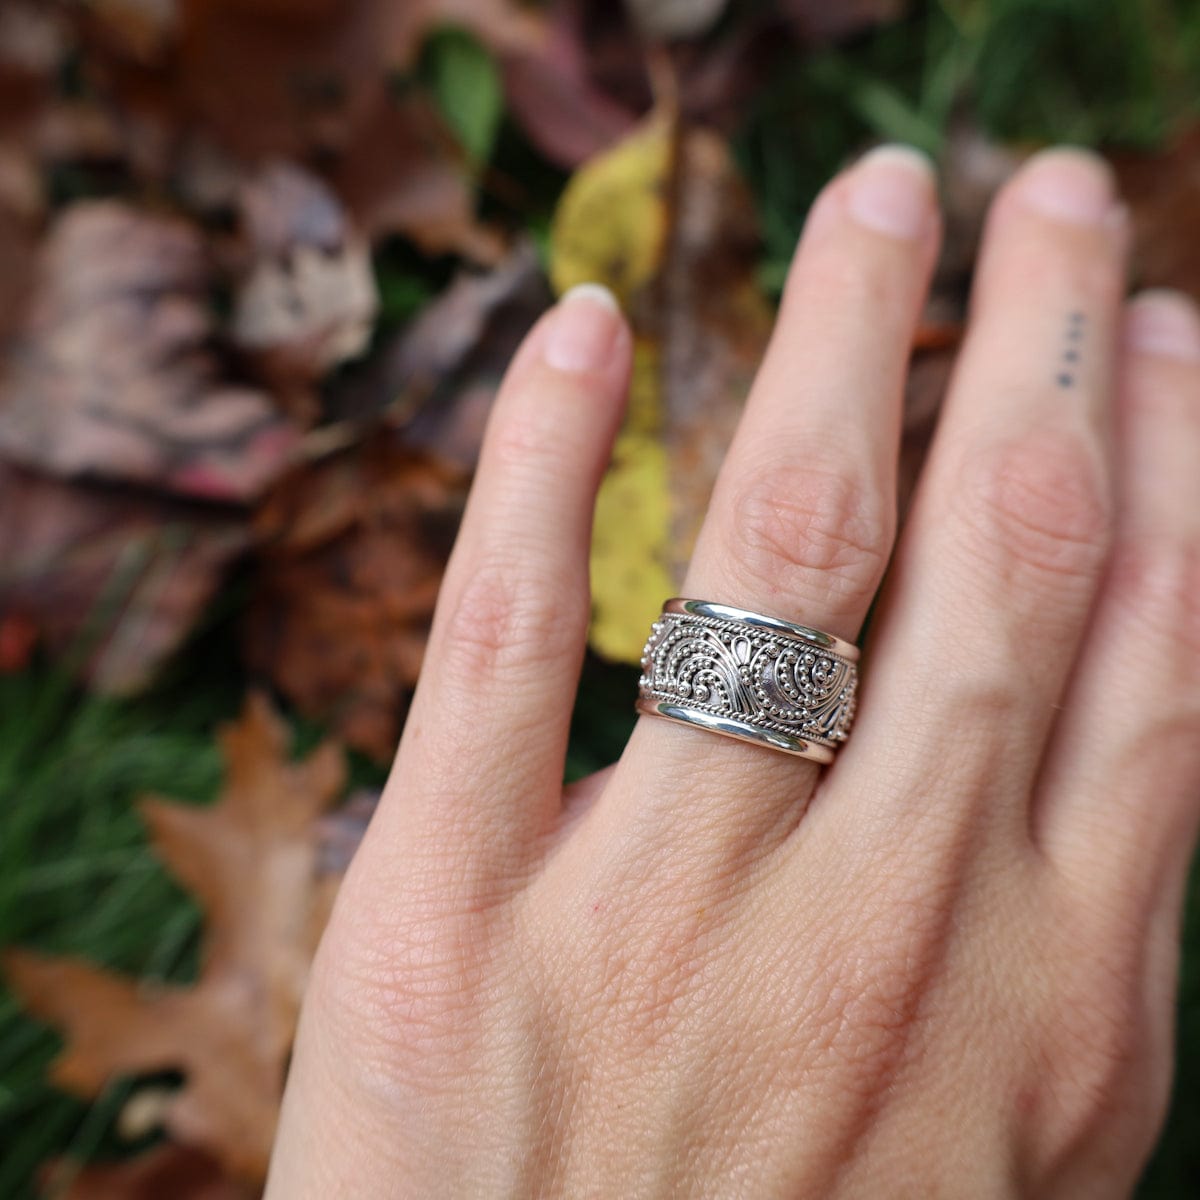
(749, 676)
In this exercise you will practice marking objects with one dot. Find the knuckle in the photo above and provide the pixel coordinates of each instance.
(847, 286)
(509, 620)
(547, 430)
(1156, 583)
(796, 530)
(1037, 508)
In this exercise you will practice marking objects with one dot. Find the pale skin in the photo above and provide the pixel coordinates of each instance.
(942, 967)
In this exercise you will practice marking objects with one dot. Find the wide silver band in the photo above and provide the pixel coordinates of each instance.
(749, 676)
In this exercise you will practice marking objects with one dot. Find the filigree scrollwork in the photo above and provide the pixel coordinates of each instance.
(768, 679)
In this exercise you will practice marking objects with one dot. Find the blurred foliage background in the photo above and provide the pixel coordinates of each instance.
(352, 273)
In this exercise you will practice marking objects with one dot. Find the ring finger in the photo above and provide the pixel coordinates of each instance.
(1001, 558)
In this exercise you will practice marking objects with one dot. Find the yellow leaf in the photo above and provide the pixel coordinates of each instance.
(664, 221)
(630, 573)
(609, 228)
(611, 220)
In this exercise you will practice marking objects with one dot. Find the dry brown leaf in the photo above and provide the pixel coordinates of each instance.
(18, 639)
(143, 29)
(354, 549)
(312, 81)
(280, 77)
(17, 254)
(352, 560)
(438, 376)
(168, 1172)
(403, 173)
(1163, 193)
(31, 50)
(307, 81)
(112, 374)
(308, 300)
(117, 579)
(251, 860)
(551, 92)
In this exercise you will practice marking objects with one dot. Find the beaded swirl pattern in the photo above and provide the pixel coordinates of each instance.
(765, 678)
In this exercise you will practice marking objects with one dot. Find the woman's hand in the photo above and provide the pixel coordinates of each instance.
(943, 966)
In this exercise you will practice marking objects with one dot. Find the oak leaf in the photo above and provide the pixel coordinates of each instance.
(251, 860)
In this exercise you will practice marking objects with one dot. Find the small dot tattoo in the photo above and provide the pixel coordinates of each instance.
(1065, 377)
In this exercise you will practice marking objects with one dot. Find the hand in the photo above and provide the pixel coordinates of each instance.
(943, 966)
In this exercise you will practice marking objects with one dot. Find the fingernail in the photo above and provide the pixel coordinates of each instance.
(1068, 183)
(1164, 322)
(582, 329)
(892, 191)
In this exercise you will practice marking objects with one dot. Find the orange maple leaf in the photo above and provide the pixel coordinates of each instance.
(251, 860)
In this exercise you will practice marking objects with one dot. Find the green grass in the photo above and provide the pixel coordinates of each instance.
(76, 877)
(76, 873)
(1121, 73)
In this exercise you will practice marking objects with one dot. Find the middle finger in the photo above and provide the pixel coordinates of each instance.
(801, 520)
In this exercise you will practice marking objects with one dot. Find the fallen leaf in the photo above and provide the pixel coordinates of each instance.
(31, 51)
(111, 374)
(352, 556)
(665, 221)
(144, 30)
(1163, 192)
(112, 582)
(564, 91)
(168, 1172)
(251, 860)
(420, 185)
(551, 93)
(353, 548)
(268, 78)
(18, 638)
(437, 377)
(304, 81)
(308, 300)
(18, 254)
